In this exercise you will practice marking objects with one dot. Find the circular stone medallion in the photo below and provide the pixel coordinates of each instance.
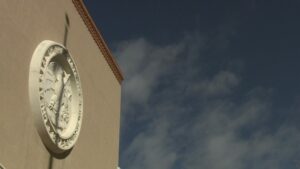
(55, 96)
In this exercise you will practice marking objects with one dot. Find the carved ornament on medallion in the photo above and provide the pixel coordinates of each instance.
(55, 96)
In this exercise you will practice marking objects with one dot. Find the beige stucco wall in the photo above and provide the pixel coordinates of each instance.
(23, 25)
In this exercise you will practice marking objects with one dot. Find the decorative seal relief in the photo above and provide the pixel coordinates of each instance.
(55, 96)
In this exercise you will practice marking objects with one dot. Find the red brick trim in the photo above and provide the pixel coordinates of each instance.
(90, 24)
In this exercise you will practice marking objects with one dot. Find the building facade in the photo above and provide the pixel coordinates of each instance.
(24, 26)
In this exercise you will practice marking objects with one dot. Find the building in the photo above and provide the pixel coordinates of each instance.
(30, 30)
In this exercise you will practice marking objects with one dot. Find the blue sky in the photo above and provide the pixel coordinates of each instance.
(208, 84)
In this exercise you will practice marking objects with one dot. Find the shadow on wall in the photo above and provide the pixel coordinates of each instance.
(65, 153)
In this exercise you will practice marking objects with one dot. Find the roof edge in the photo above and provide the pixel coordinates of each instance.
(98, 38)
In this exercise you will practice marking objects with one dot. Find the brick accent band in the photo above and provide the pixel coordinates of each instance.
(90, 24)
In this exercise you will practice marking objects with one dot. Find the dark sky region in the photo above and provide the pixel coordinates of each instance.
(208, 84)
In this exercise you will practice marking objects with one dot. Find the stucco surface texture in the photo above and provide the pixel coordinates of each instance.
(24, 24)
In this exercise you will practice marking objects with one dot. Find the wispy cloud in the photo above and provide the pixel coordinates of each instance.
(176, 115)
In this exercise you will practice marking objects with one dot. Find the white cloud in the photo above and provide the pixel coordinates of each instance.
(191, 120)
(221, 83)
(143, 64)
(151, 149)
